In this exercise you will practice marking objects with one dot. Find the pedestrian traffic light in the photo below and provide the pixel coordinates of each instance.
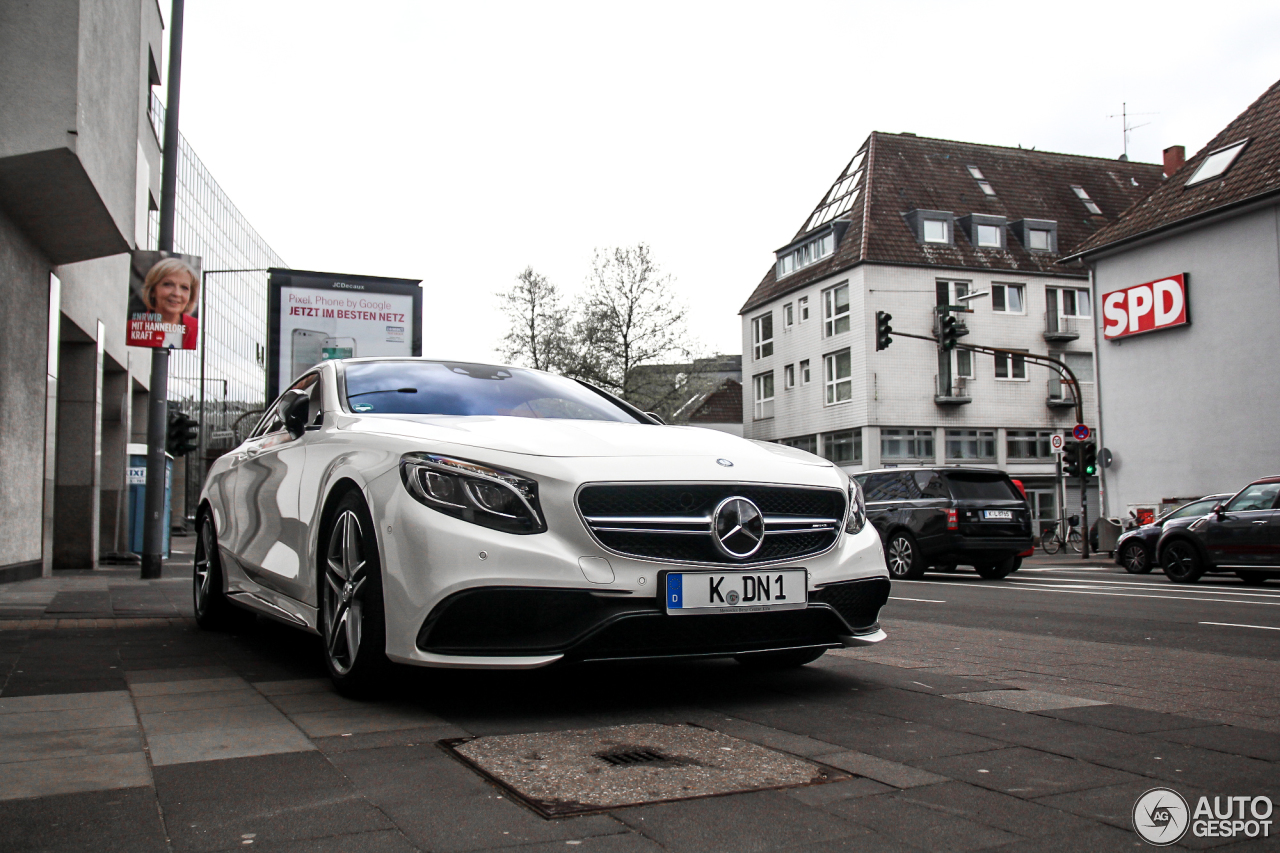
(883, 330)
(947, 332)
(1089, 458)
(1071, 460)
(183, 435)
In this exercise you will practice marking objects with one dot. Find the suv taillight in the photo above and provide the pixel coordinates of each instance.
(953, 520)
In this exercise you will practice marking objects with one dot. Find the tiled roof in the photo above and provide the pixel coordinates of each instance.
(1255, 172)
(903, 172)
(722, 406)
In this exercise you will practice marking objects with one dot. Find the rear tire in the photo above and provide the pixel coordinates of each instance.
(352, 617)
(1135, 559)
(213, 610)
(1253, 578)
(997, 571)
(788, 659)
(1181, 562)
(903, 557)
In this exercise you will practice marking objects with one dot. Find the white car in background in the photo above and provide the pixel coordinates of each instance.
(467, 515)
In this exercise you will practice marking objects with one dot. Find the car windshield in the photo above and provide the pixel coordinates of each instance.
(456, 388)
(974, 485)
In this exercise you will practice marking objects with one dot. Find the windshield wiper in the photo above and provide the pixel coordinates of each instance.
(386, 391)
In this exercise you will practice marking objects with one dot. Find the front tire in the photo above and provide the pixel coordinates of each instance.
(903, 558)
(786, 659)
(1135, 559)
(352, 616)
(1181, 562)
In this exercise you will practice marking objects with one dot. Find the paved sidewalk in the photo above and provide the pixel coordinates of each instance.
(140, 732)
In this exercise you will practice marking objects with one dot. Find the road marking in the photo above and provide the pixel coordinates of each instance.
(1036, 588)
(1237, 625)
(930, 600)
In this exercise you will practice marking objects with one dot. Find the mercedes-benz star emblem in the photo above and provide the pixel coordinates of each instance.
(737, 527)
(724, 463)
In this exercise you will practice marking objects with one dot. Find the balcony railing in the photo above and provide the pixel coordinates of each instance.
(1058, 328)
(1060, 395)
(955, 395)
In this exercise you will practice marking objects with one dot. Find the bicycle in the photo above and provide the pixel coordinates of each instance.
(1053, 542)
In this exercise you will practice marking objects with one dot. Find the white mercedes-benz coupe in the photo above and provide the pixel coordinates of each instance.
(467, 515)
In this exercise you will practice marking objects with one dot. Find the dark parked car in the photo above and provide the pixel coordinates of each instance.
(940, 517)
(1241, 535)
(1136, 548)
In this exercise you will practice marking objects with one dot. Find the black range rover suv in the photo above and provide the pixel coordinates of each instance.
(940, 517)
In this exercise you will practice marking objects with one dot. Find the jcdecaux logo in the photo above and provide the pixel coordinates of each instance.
(1162, 817)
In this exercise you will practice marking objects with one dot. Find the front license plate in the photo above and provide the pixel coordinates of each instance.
(736, 592)
(998, 514)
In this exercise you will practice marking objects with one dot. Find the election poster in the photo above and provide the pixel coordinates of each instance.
(164, 300)
(314, 316)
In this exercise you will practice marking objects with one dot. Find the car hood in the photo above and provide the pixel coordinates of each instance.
(572, 438)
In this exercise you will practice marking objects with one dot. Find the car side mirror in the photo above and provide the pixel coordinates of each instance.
(292, 409)
(1219, 510)
(656, 417)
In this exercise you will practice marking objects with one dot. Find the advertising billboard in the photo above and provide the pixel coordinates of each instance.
(1150, 307)
(164, 300)
(313, 316)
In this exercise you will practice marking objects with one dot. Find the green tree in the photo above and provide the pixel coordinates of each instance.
(538, 322)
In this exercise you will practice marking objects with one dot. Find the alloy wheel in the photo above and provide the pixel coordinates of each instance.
(1181, 563)
(345, 577)
(203, 576)
(1134, 559)
(901, 557)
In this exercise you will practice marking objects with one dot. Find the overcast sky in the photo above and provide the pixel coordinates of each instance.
(461, 142)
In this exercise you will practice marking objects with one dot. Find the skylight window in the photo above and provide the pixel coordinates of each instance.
(1216, 164)
(1089, 204)
(841, 197)
(983, 183)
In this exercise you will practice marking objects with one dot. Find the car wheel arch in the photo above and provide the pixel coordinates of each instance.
(339, 489)
(1182, 537)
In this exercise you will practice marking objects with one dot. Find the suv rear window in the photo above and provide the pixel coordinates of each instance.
(967, 485)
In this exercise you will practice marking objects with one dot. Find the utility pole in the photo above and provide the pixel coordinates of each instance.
(158, 414)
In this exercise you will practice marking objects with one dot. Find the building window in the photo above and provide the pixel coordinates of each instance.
(930, 226)
(1069, 301)
(971, 444)
(963, 363)
(1007, 299)
(808, 443)
(1081, 364)
(788, 315)
(763, 383)
(789, 376)
(835, 310)
(842, 195)
(838, 373)
(1088, 203)
(983, 184)
(1010, 367)
(898, 444)
(988, 236)
(1216, 163)
(806, 254)
(804, 372)
(936, 231)
(762, 335)
(1038, 239)
(1029, 444)
(843, 448)
(1037, 235)
(803, 304)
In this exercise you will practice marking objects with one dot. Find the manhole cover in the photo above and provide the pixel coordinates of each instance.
(567, 773)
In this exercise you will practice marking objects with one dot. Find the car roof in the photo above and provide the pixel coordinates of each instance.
(941, 468)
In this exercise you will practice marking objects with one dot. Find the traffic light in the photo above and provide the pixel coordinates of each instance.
(1089, 458)
(883, 330)
(183, 435)
(947, 332)
(1071, 460)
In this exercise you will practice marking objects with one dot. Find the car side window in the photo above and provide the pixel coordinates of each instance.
(1256, 496)
(1195, 508)
(879, 487)
(931, 485)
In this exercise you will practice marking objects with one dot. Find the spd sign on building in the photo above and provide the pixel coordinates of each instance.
(1150, 307)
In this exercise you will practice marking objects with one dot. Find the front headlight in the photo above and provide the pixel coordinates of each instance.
(857, 517)
(473, 492)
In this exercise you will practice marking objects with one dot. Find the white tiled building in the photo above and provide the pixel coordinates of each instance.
(912, 223)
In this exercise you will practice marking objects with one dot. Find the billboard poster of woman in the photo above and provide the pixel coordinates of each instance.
(164, 300)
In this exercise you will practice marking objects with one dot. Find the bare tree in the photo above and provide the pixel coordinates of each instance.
(538, 322)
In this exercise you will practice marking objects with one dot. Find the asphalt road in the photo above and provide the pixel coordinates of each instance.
(1103, 604)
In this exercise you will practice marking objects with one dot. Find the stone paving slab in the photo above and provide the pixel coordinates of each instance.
(46, 777)
(1023, 700)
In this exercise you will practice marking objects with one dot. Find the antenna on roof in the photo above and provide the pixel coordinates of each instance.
(1124, 114)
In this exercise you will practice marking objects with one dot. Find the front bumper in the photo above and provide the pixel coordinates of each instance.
(501, 624)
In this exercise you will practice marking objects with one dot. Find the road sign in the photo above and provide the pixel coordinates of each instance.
(1081, 432)
(1056, 442)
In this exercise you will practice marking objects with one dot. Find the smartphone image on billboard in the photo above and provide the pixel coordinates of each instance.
(339, 348)
(307, 350)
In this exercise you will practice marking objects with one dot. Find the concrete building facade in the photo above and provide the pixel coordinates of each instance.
(911, 224)
(1191, 409)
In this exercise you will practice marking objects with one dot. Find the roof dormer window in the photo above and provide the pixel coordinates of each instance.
(809, 251)
(1037, 235)
(1083, 195)
(1216, 164)
(931, 226)
(984, 231)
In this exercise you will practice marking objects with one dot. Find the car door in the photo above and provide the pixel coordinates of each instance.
(1242, 533)
(273, 542)
(929, 510)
